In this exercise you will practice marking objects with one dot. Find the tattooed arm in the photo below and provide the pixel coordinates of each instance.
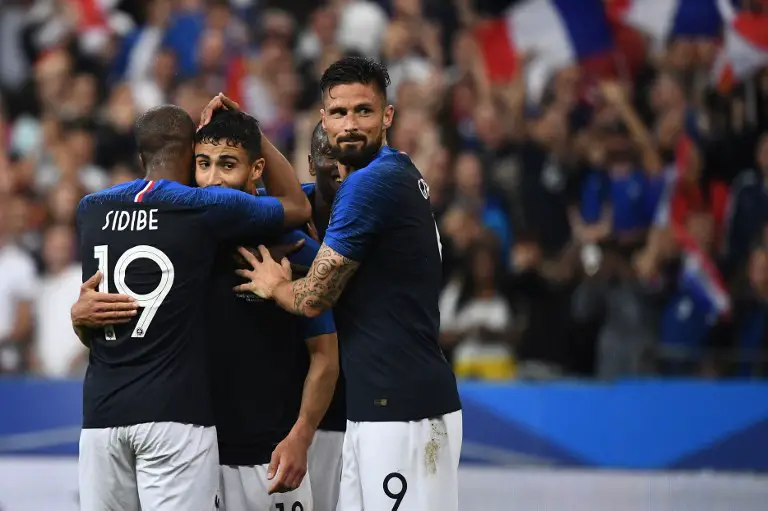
(322, 286)
(362, 210)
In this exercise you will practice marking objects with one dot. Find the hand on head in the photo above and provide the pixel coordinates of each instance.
(219, 102)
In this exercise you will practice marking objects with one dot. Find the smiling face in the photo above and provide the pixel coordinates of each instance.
(356, 118)
(323, 166)
(222, 163)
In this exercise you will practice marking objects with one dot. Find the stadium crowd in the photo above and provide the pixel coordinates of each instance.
(612, 225)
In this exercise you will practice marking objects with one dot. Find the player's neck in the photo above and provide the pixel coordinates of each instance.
(170, 174)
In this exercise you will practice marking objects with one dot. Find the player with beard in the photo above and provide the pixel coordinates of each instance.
(148, 437)
(380, 265)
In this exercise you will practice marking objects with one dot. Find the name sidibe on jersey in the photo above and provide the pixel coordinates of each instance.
(136, 220)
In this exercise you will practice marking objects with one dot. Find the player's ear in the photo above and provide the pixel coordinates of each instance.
(389, 115)
(322, 117)
(257, 169)
(311, 165)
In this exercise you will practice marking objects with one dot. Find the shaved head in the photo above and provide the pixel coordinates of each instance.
(319, 144)
(164, 132)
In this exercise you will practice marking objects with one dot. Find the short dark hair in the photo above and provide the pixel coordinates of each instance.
(234, 128)
(163, 130)
(353, 69)
(319, 143)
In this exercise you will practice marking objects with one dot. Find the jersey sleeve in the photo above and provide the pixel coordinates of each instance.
(306, 254)
(234, 214)
(361, 209)
(321, 325)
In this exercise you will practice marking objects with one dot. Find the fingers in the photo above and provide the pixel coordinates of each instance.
(294, 477)
(286, 264)
(249, 258)
(274, 464)
(242, 288)
(218, 102)
(111, 306)
(213, 105)
(93, 282)
(265, 253)
(115, 298)
(112, 315)
(228, 103)
(244, 273)
(288, 479)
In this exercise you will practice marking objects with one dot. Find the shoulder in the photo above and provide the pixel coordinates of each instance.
(176, 193)
(385, 174)
(119, 192)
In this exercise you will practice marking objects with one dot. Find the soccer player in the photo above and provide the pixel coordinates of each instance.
(325, 453)
(148, 439)
(255, 348)
(382, 250)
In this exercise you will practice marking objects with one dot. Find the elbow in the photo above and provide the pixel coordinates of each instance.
(311, 311)
(305, 209)
(297, 211)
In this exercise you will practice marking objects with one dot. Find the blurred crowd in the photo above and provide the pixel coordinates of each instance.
(614, 227)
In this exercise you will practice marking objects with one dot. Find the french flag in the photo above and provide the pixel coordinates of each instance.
(700, 278)
(663, 19)
(745, 46)
(681, 194)
(553, 33)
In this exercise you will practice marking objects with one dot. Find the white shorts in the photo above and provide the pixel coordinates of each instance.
(245, 489)
(401, 466)
(325, 468)
(162, 466)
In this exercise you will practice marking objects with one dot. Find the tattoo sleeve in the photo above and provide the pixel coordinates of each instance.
(319, 290)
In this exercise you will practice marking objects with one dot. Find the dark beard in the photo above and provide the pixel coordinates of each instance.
(357, 158)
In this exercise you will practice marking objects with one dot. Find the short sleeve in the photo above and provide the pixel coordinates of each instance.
(361, 209)
(320, 325)
(306, 254)
(234, 214)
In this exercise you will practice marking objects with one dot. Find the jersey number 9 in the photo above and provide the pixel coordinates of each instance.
(151, 301)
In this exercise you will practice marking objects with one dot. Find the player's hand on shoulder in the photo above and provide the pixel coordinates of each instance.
(94, 309)
(288, 465)
(265, 274)
(219, 102)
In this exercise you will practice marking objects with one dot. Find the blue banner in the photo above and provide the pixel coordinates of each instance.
(626, 425)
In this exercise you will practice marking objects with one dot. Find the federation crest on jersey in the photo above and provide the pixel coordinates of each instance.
(424, 188)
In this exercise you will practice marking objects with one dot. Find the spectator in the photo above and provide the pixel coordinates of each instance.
(476, 320)
(56, 351)
(603, 186)
(18, 285)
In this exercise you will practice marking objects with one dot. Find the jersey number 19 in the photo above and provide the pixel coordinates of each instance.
(150, 302)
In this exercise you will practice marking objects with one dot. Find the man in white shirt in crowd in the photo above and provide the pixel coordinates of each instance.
(18, 284)
(57, 352)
